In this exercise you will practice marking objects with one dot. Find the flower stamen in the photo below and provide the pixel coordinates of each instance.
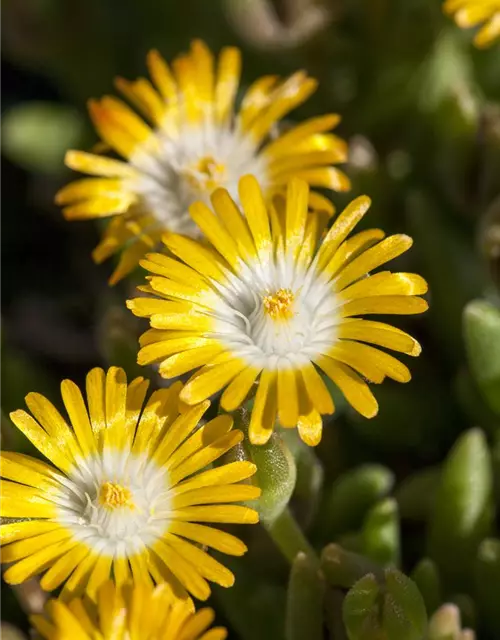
(113, 496)
(279, 305)
(206, 174)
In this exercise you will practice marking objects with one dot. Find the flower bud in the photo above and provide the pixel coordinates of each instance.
(276, 470)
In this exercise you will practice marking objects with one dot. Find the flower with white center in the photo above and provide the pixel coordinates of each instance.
(471, 13)
(191, 142)
(127, 612)
(130, 485)
(271, 303)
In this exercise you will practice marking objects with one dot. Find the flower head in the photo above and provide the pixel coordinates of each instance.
(192, 142)
(128, 611)
(471, 13)
(127, 491)
(269, 302)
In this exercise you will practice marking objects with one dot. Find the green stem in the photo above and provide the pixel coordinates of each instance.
(288, 536)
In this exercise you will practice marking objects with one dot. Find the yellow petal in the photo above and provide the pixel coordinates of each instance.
(386, 250)
(206, 384)
(264, 409)
(210, 537)
(288, 408)
(354, 389)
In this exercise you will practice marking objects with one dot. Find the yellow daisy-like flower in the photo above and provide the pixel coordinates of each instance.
(128, 612)
(127, 492)
(266, 304)
(470, 13)
(192, 142)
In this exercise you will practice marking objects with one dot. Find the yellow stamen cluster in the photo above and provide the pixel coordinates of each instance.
(206, 174)
(114, 495)
(279, 305)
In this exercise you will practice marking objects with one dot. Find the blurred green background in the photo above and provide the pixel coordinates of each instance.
(420, 109)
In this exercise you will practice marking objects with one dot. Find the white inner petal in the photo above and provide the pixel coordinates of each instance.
(251, 333)
(171, 181)
(120, 530)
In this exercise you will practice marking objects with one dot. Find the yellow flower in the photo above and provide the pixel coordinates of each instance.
(265, 303)
(470, 13)
(127, 492)
(192, 142)
(127, 612)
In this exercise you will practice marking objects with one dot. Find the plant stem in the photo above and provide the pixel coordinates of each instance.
(288, 536)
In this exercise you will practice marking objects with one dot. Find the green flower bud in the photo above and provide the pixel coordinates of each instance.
(276, 471)
(482, 339)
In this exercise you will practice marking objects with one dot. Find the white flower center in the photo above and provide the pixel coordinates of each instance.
(277, 316)
(116, 502)
(188, 168)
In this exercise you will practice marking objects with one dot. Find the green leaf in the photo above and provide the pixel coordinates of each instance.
(446, 257)
(415, 495)
(426, 577)
(482, 339)
(310, 475)
(343, 568)
(448, 87)
(118, 340)
(361, 610)
(351, 496)
(334, 602)
(463, 509)
(381, 535)
(403, 613)
(304, 610)
(36, 135)
(487, 579)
